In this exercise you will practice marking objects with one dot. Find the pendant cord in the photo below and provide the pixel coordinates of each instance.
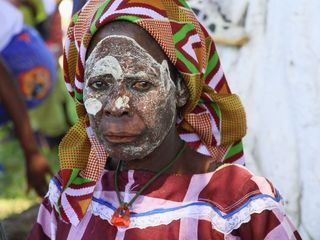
(167, 167)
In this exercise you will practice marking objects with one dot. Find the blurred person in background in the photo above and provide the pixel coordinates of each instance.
(53, 118)
(28, 73)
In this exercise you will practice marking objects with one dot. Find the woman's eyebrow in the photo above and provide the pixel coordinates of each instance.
(101, 77)
(139, 75)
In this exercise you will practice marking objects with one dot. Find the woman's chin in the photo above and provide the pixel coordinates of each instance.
(128, 152)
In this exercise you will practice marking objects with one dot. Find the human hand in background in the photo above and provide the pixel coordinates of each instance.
(36, 165)
(37, 168)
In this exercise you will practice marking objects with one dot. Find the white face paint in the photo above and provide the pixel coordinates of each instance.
(122, 103)
(107, 65)
(165, 76)
(132, 68)
(93, 106)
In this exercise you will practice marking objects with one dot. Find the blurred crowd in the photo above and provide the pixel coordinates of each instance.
(32, 92)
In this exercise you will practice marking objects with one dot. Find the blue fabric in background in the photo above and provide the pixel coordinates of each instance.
(33, 67)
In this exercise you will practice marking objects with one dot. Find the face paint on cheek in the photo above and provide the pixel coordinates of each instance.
(169, 89)
(165, 76)
(158, 109)
(159, 98)
(93, 106)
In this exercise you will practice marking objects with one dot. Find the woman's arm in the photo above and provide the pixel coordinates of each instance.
(36, 165)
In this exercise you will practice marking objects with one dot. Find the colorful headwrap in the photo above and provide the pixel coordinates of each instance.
(213, 121)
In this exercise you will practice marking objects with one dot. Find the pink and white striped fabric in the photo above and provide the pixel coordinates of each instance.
(229, 203)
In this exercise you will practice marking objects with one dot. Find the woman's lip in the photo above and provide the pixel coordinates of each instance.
(121, 138)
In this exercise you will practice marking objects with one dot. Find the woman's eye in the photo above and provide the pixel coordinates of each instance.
(98, 85)
(142, 86)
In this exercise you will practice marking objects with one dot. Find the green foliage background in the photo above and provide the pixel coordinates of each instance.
(13, 185)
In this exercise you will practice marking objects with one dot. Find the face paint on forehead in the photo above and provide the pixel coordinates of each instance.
(123, 49)
(104, 66)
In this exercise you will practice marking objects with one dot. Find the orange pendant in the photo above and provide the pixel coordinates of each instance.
(121, 217)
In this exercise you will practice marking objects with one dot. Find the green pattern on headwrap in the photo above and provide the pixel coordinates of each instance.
(182, 33)
(212, 64)
(128, 18)
(192, 68)
(99, 12)
(183, 2)
(216, 109)
(234, 149)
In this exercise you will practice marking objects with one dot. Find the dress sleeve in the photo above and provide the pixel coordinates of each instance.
(251, 207)
(48, 220)
(268, 221)
(269, 225)
(45, 223)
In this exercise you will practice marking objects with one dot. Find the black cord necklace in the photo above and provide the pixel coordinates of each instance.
(121, 217)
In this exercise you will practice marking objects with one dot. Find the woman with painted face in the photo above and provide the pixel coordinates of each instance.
(157, 151)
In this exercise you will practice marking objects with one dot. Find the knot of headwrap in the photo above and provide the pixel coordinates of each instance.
(213, 121)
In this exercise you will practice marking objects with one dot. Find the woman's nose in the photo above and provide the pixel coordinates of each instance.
(118, 107)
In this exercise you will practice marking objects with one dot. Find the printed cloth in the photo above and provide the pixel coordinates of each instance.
(184, 207)
(213, 121)
(33, 67)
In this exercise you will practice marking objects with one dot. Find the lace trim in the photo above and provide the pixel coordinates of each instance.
(224, 223)
(244, 215)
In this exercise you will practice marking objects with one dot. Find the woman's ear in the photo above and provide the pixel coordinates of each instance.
(182, 93)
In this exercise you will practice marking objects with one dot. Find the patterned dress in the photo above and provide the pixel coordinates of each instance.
(229, 203)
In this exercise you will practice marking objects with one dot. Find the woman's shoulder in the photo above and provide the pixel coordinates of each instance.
(233, 186)
(236, 195)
